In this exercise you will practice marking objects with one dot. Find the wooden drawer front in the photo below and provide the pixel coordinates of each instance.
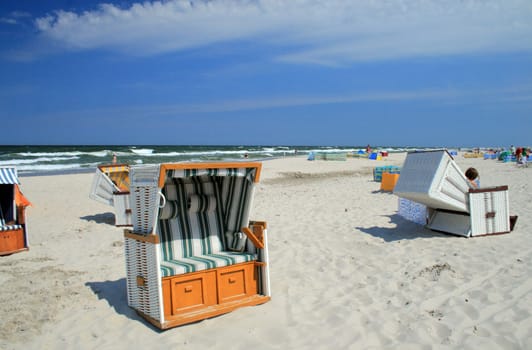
(193, 291)
(11, 240)
(236, 282)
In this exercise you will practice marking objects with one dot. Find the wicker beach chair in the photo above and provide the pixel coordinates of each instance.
(432, 178)
(192, 252)
(110, 186)
(13, 233)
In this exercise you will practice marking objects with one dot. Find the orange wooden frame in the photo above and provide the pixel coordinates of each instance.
(15, 241)
(12, 241)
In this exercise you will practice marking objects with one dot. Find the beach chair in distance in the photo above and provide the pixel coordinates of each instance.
(432, 178)
(110, 186)
(13, 233)
(192, 252)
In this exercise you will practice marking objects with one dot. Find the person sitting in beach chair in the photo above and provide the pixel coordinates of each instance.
(473, 177)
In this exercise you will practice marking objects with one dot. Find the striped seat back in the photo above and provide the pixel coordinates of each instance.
(236, 195)
(193, 225)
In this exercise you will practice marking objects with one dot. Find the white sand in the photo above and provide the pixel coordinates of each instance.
(346, 271)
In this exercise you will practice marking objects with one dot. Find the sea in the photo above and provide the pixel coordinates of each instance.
(44, 160)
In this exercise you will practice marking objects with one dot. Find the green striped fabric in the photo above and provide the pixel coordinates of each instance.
(10, 227)
(169, 211)
(202, 262)
(194, 240)
(217, 172)
(236, 193)
(238, 241)
(201, 203)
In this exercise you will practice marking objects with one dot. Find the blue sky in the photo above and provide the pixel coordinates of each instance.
(292, 72)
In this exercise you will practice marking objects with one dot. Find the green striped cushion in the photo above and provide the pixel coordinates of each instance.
(10, 227)
(203, 262)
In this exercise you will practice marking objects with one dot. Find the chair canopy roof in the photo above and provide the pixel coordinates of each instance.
(8, 176)
(248, 170)
(434, 179)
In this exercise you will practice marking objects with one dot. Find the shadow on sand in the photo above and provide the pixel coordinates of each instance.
(403, 229)
(115, 293)
(103, 218)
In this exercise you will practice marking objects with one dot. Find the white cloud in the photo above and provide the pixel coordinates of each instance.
(313, 31)
(14, 17)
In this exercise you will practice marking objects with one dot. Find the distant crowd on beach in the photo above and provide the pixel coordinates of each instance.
(520, 155)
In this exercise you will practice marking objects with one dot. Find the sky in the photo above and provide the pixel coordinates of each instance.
(454, 73)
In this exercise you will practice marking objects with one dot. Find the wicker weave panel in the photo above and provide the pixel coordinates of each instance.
(141, 263)
(144, 198)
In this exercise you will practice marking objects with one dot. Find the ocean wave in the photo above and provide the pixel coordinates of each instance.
(49, 167)
(104, 153)
(42, 159)
(35, 160)
(210, 153)
(142, 151)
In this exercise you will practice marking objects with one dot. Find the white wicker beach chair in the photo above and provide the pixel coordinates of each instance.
(110, 186)
(13, 233)
(433, 179)
(193, 253)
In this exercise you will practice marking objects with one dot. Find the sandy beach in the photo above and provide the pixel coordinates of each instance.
(346, 271)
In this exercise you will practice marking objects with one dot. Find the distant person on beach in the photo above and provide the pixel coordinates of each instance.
(368, 149)
(518, 152)
(114, 158)
(473, 177)
(522, 159)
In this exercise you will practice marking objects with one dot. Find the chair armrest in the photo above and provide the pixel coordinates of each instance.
(488, 189)
(154, 239)
(256, 236)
